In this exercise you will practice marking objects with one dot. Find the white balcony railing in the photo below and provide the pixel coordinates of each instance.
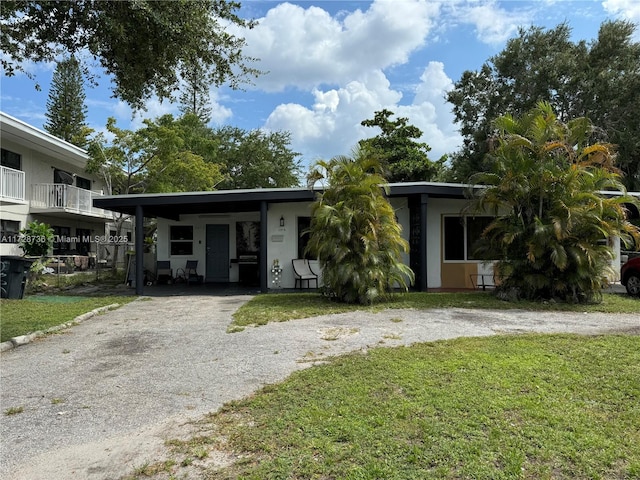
(67, 198)
(11, 184)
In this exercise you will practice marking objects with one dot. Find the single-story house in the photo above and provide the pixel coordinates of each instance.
(238, 235)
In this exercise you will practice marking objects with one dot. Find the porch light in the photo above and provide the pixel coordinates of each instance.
(281, 221)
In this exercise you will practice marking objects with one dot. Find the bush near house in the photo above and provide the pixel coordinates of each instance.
(552, 221)
(354, 232)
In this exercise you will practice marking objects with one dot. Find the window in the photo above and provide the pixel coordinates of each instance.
(461, 235)
(83, 241)
(181, 239)
(10, 231)
(83, 183)
(454, 238)
(60, 176)
(61, 240)
(303, 238)
(11, 159)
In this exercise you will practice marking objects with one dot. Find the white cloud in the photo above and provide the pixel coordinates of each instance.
(332, 126)
(629, 9)
(493, 24)
(431, 112)
(306, 47)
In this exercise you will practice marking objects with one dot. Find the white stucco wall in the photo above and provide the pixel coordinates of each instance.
(199, 223)
(38, 167)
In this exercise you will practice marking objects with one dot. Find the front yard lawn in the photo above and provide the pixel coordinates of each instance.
(504, 407)
(263, 309)
(39, 313)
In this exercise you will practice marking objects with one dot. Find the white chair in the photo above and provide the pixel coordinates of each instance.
(302, 271)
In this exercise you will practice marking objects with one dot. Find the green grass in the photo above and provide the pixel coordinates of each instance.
(39, 313)
(514, 407)
(263, 309)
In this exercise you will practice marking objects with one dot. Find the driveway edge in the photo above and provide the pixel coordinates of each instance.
(30, 337)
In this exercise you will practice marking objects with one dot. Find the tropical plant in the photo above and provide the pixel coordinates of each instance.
(554, 218)
(354, 232)
(36, 239)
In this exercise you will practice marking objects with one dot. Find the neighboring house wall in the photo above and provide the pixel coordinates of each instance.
(65, 206)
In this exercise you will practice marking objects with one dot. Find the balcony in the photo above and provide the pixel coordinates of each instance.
(11, 185)
(56, 199)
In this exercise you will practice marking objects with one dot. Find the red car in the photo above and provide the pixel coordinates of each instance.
(630, 276)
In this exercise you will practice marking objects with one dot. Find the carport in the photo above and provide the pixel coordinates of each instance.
(173, 205)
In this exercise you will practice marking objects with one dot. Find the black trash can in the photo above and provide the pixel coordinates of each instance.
(13, 275)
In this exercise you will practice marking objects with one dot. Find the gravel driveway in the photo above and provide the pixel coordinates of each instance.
(100, 398)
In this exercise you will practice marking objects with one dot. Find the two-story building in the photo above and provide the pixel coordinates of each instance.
(43, 178)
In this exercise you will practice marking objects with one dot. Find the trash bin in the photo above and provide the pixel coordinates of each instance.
(13, 275)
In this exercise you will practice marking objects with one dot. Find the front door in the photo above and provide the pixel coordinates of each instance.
(217, 253)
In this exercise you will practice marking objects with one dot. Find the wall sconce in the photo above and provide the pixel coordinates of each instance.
(281, 221)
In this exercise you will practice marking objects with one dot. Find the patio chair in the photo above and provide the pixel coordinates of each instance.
(302, 271)
(164, 273)
(190, 272)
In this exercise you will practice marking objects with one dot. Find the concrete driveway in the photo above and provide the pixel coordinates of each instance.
(100, 398)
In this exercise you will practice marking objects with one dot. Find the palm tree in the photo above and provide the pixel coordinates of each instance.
(354, 232)
(553, 220)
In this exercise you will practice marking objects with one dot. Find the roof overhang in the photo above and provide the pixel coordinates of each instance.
(28, 136)
(172, 205)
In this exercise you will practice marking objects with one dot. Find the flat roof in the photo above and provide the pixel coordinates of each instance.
(172, 205)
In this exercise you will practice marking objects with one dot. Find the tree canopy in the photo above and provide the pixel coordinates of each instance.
(552, 226)
(194, 95)
(402, 157)
(145, 45)
(599, 80)
(256, 159)
(159, 157)
(66, 109)
(183, 154)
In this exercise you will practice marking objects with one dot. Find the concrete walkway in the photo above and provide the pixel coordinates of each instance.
(100, 398)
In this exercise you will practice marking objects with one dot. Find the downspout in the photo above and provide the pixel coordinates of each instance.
(263, 246)
(139, 248)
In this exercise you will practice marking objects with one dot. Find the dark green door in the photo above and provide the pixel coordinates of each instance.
(217, 253)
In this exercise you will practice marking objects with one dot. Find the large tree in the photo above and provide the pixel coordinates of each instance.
(194, 94)
(354, 232)
(257, 159)
(145, 45)
(550, 235)
(163, 156)
(402, 157)
(598, 80)
(66, 109)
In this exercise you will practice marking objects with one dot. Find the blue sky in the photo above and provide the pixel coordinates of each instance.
(333, 64)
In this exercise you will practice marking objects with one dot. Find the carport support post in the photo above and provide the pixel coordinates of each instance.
(424, 200)
(139, 248)
(263, 247)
